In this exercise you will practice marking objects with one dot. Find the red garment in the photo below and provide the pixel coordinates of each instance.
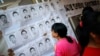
(89, 51)
(64, 48)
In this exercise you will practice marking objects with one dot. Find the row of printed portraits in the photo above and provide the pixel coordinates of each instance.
(31, 32)
(25, 13)
(39, 30)
(36, 48)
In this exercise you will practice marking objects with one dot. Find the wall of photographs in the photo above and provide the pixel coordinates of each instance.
(27, 28)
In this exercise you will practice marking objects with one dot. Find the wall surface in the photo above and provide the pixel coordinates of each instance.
(2, 41)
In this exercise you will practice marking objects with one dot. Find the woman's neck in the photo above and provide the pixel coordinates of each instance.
(59, 38)
(93, 44)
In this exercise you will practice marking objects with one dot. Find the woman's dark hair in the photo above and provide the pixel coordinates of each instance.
(61, 29)
(86, 10)
(82, 32)
(92, 25)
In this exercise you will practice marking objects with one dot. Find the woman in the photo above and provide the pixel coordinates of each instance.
(81, 31)
(66, 46)
(90, 35)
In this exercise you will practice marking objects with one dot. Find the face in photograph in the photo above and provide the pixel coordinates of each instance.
(40, 8)
(3, 19)
(32, 50)
(58, 19)
(32, 9)
(47, 40)
(12, 39)
(27, 17)
(22, 54)
(24, 34)
(25, 11)
(52, 5)
(41, 26)
(33, 30)
(48, 43)
(52, 21)
(40, 44)
(47, 23)
(47, 7)
(15, 14)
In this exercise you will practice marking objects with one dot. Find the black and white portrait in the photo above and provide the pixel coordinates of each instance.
(25, 11)
(40, 8)
(22, 54)
(48, 43)
(53, 6)
(47, 7)
(12, 39)
(58, 19)
(47, 40)
(34, 31)
(53, 21)
(3, 19)
(33, 9)
(27, 17)
(24, 34)
(47, 23)
(33, 51)
(40, 45)
(15, 14)
(42, 29)
(41, 26)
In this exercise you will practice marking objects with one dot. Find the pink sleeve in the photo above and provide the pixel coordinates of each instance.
(58, 51)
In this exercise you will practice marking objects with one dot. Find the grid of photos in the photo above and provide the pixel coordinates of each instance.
(33, 37)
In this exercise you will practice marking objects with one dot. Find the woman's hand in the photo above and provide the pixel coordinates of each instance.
(11, 52)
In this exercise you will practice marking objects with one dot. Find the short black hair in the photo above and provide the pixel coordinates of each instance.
(24, 10)
(11, 36)
(2, 15)
(47, 39)
(32, 8)
(21, 54)
(40, 7)
(32, 48)
(15, 12)
(23, 31)
(32, 27)
(60, 28)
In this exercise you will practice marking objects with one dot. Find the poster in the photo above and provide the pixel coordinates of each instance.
(4, 20)
(33, 35)
(34, 11)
